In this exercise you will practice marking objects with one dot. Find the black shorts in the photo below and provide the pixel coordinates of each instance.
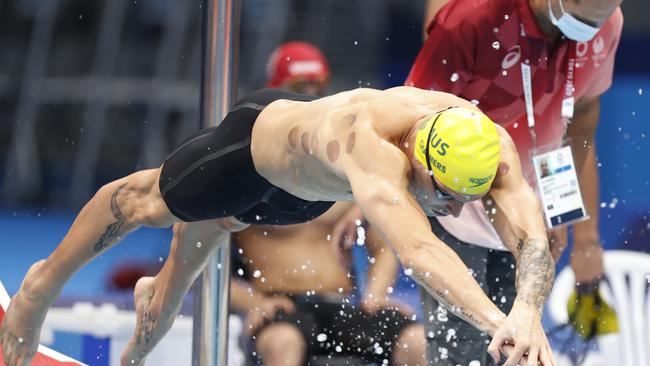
(334, 327)
(211, 175)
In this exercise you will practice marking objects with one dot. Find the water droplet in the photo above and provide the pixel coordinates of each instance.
(198, 244)
(506, 17)
(356, 43)
(516, 125)
(444, 61)
(160, 259)
(329, 237)
(454, 77)
(257, 273)
(258, 217)
(20, 340)
(389, 290)
(408, 271)
(496, 45)
(474, 101)
(504, 72)
(266, 233)
(395, 200)
(338, 349)
(322, 337)
(503, 299)
(240, 272)
(495, 30)
(640, 91)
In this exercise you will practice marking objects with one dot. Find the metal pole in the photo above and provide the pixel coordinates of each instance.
(218, 61)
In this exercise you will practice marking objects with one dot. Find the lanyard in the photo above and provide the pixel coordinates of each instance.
(568, 101)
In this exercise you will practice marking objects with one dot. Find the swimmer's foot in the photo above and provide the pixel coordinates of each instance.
(151, 325)
(21, 325)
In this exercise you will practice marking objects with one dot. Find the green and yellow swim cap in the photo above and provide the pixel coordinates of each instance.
(461, 146)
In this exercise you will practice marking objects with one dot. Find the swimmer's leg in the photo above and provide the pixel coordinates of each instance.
(116, 209)
(158, 299)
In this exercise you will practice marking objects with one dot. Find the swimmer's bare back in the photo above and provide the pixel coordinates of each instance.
(306, 148)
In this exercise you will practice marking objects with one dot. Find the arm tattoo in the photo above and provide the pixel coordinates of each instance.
(114, 230)
(443, 298)
(535, 272)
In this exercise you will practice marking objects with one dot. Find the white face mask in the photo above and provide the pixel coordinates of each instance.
(571, 27)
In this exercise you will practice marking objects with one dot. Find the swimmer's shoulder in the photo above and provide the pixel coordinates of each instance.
(508, 147)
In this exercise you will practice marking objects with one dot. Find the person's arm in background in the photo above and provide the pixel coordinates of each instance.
(256, 306)
(430, 11)
(587, 253)
(382, 273)
(516, 214)
(589, 313)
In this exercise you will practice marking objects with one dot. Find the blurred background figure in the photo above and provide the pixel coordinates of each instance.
(299, 67)
(302, 302)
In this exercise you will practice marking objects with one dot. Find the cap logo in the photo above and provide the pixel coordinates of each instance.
(305, 67)
(480, 181)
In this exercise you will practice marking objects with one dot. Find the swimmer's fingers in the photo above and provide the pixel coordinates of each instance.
(533, 354)
(518, 353)
(498, 342)
(546, 356)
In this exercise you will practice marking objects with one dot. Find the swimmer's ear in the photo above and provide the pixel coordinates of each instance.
(503, 169)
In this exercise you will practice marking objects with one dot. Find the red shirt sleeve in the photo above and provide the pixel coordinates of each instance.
(603, 79)
(445, 60)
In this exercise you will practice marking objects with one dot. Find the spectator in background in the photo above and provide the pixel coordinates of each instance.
(541, 64)
(298, 300)
(299, 67)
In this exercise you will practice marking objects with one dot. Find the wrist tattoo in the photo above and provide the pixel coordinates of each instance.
(443, 298)
(535, 272)
(114, 230)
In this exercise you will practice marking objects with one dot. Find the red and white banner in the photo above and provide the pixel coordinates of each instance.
(45, 356)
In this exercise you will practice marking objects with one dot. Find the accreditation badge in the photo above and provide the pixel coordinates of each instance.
(557, 183)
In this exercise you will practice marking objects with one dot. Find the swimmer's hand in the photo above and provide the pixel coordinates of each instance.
(589, 314)
(523, 330)
(266, 310)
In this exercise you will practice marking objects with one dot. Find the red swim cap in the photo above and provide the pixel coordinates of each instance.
(296, 60)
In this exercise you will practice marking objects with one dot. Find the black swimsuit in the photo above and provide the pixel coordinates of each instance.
(211, 175)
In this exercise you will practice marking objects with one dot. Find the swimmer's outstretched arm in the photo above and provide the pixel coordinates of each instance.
(516, 216)
(116, 209)
(382, 194)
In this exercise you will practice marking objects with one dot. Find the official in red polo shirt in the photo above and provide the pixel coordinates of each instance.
(537, 67)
